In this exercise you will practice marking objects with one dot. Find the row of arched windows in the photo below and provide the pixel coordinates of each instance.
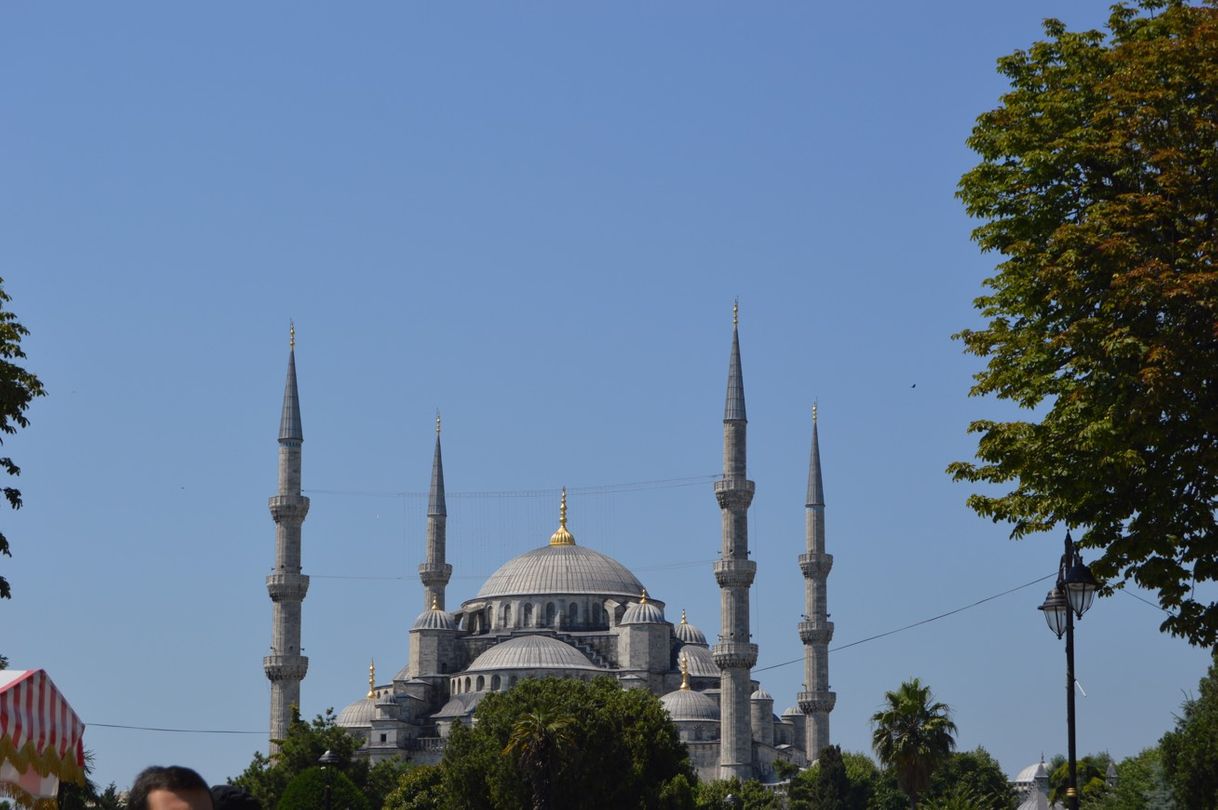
(508, 615)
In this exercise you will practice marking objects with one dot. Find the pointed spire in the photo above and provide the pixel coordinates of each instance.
(562, 537)
(684, 671)
(816, 490)
(372, 679)
(643, 597)
(733, 410)
(436, 504)
(289, 422)
(683, 616)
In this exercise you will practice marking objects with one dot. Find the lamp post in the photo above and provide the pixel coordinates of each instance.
(327, 759)
(1070, 597)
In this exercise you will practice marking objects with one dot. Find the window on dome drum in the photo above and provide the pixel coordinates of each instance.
(495, 683)
(573, 614)
(550, 614)
(480, 684)
(467, 682)
(505, 618)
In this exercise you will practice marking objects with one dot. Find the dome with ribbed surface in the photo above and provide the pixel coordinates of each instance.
(434, 619)
(531, 652)
(761, 694)
(688, 634)
(643, 613)
(700, 662)
(686, 704)
(359, 714)
(562, 569)
(791, 710)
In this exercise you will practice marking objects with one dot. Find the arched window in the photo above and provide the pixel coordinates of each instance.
(495, 683)
(550, 614)
(528, 614)
(505, 615)
(479, 684)
(573, 614)
(466, 683)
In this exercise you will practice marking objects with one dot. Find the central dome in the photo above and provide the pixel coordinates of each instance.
(562, 569)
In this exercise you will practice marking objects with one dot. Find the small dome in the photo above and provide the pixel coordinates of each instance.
(792, 710)
(1029, 774)
(688, 634)
(686, 704)
(700, 662)
(762, 694)
(460, 706)
(531, 652)
(434, 619)
(359, 714)
(643, 612)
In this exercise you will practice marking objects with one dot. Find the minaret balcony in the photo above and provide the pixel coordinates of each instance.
(287, 587)
(734, 654)
(291, 508)
(815, 633)
(816, 702)
(733, 573)
(734, 493)
(433, 574)
(285, 667)
(816, 566)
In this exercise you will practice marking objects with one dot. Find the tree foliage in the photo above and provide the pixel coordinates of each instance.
(307, 791)
(912, 735)
(1190, 750)
(974, 775)
(1091, 771)
(420, 788)
(18, 388)
(1098, 186)
(1141, 785)
(750, 793)
(267, 778)
(618, 749)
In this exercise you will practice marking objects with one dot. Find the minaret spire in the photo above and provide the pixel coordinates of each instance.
(815, 631)
(735, 654)
(435, 571)
(285, 667)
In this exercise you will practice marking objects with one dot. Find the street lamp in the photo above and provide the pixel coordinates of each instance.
(1070, 597)
(327, 759)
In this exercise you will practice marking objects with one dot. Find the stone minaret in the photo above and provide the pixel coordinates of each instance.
(435, 572)
(285, 667)
(734, 571)
(815, 631)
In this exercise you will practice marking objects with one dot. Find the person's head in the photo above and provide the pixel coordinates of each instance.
(169, 788)
(231, 797)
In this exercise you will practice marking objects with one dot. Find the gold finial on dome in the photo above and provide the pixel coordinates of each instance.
(435, 602)
(371, 678)
(683, 616)
(292, 335)
(562, 537)
(684, 671)
(643, 597)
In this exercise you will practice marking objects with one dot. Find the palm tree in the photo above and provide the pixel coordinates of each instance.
(536, 741)
(912, 736)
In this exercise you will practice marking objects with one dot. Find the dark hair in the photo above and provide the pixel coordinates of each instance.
(157, 777)
(231, 797)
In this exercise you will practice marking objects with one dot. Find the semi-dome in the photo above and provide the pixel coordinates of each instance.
(701, 663)
(359, 714)
(643, 611)
(531, 652)
(688, 634)
(686, 704)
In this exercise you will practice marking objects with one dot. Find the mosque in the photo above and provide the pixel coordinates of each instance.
(568, 611)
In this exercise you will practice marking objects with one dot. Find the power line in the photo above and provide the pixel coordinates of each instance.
(172, 730)
(917, 623)
(600, 489)
(1148, 602)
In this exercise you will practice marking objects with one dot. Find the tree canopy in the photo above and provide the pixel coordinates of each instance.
(601, 746)
(1098, 186)
(18, 388)
(1190, 750)
(913, 735)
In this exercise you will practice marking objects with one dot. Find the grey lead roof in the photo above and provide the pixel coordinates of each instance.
(289, 422)
(561, 570)
(435, 499)
(686, 704)
(816, 489)
(733, 410)
(531, 652)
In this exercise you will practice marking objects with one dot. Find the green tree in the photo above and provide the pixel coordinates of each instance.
(267, 778)
(419, 788)
(18, 388)
(827, 785)
(537, 746)
(975, 775)
(308, 790)
(751, 793)
(1141, 785)
(912, 736)
(1096, 186)
(622, 752)
(1190, 750)
(1091, 772)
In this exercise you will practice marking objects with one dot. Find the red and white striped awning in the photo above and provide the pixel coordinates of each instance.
(41, 738)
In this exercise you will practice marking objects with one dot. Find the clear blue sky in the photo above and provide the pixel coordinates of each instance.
(534, 217)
